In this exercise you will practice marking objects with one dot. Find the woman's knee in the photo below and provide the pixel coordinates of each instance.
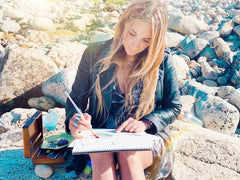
(133, 158)
(100, 157)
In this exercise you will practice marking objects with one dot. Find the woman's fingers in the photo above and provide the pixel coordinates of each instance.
(78, 124)
(131, 125)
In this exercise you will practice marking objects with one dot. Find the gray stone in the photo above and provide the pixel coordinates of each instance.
(43, 170)
(209, 35)
(228, 57)
(37, 68)
(225, 91)
(173, 39)
(66, 54)
(201, 153)
(186, 40)
(237, 4)
(10, 26)
(13, 13)
(55, 86)
(186, 24)
(236, 29)
(235, 98)
(217, 114)
(226, 28)
(42, 103)
(98, 36)
(210, 83)
(194, 68)
(209, 53)
(181, 68)
(223, 80)
(207, 71)
(194, 47)
(236, 19)
(197, 90)
(235, 79)
(188, 103)
(220, 47)
(42, 23)
(233, 12)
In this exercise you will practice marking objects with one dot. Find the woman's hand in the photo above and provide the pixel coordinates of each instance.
(132, 125)
(78, 124)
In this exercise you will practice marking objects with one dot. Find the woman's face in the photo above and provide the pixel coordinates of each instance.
(137, 38)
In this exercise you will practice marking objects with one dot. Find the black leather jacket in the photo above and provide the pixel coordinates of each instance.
(167, 99)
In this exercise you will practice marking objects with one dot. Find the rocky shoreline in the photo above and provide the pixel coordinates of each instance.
(42, 43)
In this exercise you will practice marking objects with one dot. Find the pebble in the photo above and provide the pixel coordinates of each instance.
(43, 171)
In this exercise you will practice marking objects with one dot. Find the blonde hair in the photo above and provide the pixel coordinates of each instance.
(147, 69)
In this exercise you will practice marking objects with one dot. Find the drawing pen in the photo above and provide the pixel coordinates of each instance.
(79, 111)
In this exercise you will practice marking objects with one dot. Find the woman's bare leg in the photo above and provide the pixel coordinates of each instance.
(103, 166)
(133, 163)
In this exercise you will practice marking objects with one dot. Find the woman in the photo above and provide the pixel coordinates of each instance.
(128, 83)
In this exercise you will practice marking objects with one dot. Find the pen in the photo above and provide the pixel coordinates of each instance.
(79, 111)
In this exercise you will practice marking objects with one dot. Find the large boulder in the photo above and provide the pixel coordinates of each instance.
(55, 86)
(23, 70)
(217, 114)
(201, 153)
(186, 24)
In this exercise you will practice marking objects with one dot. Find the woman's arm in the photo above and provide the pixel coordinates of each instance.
(167, 105)
(80, 88)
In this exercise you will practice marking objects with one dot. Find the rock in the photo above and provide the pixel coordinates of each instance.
(226, 28)
(220, 47)
(13, 13)
(225, 92)
(217, 114)
(173, 39)
(55, 86)
(235, 98)
(77, 25)
(181, 68)
(235, 79)
(207, 71)
(228, 57)
(42, 23)
(186, 40)
(236, 19)
(196, 89)
(186, 24)
(36, 36)
(14, 119)
(194, 47)
(223, 80)
(43, 170)
(237, 4)
(98, 36)
(209, 35)
(10, 26)
(236, 29)
(66, 54)
(17, 79)
(208, 53)
(42, 103)
(210, 83)
(188, 103)
(200, 153)
(194, 68)
(233, 12)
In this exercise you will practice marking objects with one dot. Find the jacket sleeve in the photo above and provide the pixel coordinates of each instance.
(80, 87)
(167, 101)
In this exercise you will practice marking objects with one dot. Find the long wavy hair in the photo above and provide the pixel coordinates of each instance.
(147, 68)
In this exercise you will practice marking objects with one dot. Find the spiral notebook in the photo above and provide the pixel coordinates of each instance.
(109, 141)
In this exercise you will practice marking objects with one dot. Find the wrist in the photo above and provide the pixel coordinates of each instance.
(147, 123)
